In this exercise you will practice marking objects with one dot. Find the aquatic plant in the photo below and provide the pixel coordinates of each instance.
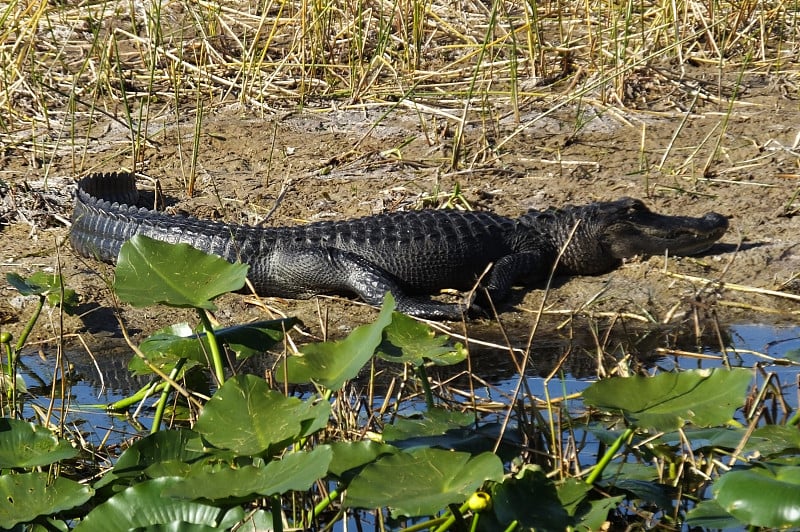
(273, 458)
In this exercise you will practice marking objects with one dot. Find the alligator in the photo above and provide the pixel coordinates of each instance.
(410, 254)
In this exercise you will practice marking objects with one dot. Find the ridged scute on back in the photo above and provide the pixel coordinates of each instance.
(105, 216)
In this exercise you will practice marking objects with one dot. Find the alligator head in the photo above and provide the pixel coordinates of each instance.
(608, 232)
(636, 230)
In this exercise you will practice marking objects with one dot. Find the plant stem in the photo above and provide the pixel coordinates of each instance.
(322, 505)
(422, 373)
(12, 377)
(606, 459)
(425, 525)
(144, 392)
(216, 354)
(162, 401)
(29, 326)
(512, 526)
(277, 518)
(451, 519)
(473, 526)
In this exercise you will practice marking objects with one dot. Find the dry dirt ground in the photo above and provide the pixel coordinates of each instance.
(681, 147)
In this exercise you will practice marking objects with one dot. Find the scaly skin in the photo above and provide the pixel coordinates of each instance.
(411, 254)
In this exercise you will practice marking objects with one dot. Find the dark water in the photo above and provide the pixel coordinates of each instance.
(748, 345)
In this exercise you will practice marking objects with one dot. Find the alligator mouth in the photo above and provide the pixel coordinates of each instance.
(655, 234)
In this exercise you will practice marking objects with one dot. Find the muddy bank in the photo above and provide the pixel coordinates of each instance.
(310, 167)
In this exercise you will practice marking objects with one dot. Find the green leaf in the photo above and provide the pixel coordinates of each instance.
(163, 446)
(586, 514)
(24, 287)
(705, 438)
(180, 526)
(248, 418)
(145, 505)
(256, 521)
(668, 400)
(167, 346)
(296, 471)
(350, 456)
(652, 492)
(332, 363)
(151, 272)
(572, 493)
(773, 440)
(27, 496)
(531, 499)
(644, 471)
(595, 517)
(765, 496)
(164, 348)
(408, 340)
(19, 382)
(44, 284)
(24, 444)
(434, 422)
(256, 337)
(448, 429)
(710, 515)
(792, 354)
(422, 481)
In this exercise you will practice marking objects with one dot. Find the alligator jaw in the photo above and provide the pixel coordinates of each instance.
(648, 233)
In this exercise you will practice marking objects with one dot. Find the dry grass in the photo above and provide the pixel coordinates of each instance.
(75, 71)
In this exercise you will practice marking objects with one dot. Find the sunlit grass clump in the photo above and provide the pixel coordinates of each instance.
(71, 71)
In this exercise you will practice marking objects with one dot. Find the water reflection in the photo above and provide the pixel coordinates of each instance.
(574, 356)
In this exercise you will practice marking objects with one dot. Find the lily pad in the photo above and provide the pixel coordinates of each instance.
(710, 515)
(248, 418)
(24, 444)
(45, 284)
(167, 346)
(296, 471)
(145, 505)
(27, 496)
(773, 440)
(157, 448)
(350, 456)
(451, 430)
(765, 495)
(331, 364)
(408, 340)
(422, 481)
(531, 499)
(434, 422)
(669, 400)
(151, 272)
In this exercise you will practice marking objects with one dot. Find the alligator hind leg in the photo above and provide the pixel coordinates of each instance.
(303, 273)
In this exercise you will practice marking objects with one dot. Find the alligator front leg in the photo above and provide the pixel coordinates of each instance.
(304, 273)
(525, 268)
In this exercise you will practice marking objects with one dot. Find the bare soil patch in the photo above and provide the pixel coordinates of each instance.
(739, 161)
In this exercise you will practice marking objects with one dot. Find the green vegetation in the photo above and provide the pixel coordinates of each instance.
(109, 83)
(252, 455)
